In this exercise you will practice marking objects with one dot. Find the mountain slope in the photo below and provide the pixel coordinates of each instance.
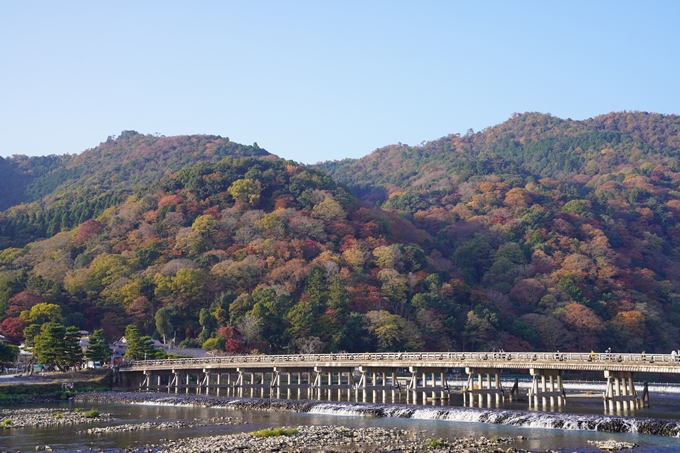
(51, 193)
(130, 160)
(528, 144)
(537, 234)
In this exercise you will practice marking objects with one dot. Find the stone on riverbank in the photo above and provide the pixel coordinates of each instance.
(32, 418)
(612, 445)
(130, 427)
(327, 438)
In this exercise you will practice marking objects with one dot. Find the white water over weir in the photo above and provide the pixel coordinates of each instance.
(382, 374)
(508, 417)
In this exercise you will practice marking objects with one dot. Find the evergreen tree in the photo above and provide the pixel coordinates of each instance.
(30, 333)
(73, 353)
(135, 347)
(50, 345)
(147, 349)
(98, 350)
(8, 353)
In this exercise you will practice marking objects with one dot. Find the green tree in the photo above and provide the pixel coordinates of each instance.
(328, 210)
(220, 307)
(8, 354)
(301, 320)
(73, 353)
(208, 322)
(392, 332)
(166, 321)
(477, 328)
(98, 350)
(30, 332)
(338, 297)
(42, 313)
(246, 191)
(270, 309)
(212, 344)
(147, 349)
(135, 347)
(49, 347)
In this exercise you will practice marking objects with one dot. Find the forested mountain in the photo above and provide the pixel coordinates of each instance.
(51, 193)
(536, 234)
(530, 145)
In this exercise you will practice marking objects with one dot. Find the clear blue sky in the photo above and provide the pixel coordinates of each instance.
(321, 80)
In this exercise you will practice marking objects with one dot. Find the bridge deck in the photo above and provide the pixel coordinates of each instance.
(637, 363)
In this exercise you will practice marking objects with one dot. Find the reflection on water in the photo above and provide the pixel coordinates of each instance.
(67, 438)
(579, 400)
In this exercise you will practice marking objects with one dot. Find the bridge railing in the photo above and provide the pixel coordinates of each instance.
(409, 358)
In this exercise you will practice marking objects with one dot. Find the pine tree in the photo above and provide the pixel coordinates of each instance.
(148, 351)
(135, 347)
(50, 345)
(73, 353)
(98, 349)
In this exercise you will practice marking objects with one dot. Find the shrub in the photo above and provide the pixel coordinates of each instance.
(7, 422)
(433, 443)
(272, 432)
(77, 409)
(58, 414)
(92, 413)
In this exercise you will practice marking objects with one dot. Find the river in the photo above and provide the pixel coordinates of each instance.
(577, 421)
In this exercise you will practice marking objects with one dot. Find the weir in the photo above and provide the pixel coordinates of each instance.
(423, 376)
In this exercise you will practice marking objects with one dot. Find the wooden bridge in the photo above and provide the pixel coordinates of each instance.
(425, 373)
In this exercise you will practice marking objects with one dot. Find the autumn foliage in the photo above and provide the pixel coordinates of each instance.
(535, 234)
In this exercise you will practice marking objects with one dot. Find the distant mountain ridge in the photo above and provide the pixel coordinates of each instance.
(530, 144)
(130, 159)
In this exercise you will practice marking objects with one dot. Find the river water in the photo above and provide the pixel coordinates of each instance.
(578, 421)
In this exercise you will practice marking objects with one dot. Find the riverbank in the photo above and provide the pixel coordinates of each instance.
(533, 419)
(18, 389)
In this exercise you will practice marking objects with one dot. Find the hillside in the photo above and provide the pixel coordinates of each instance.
(536, 234)
(50, 193)
(527, 145)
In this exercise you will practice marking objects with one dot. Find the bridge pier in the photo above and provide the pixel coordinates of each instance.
(469, 392)
(424, 372)
(374, 379)
(329, 386)
(552, 392)
(620, 392)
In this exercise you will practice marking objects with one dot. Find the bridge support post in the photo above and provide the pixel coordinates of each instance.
(413, 388)
(144, 385)
(556, 390)
(172, 382)
(275, 383)
(469, 392)
(620, 392)
(206, 382)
